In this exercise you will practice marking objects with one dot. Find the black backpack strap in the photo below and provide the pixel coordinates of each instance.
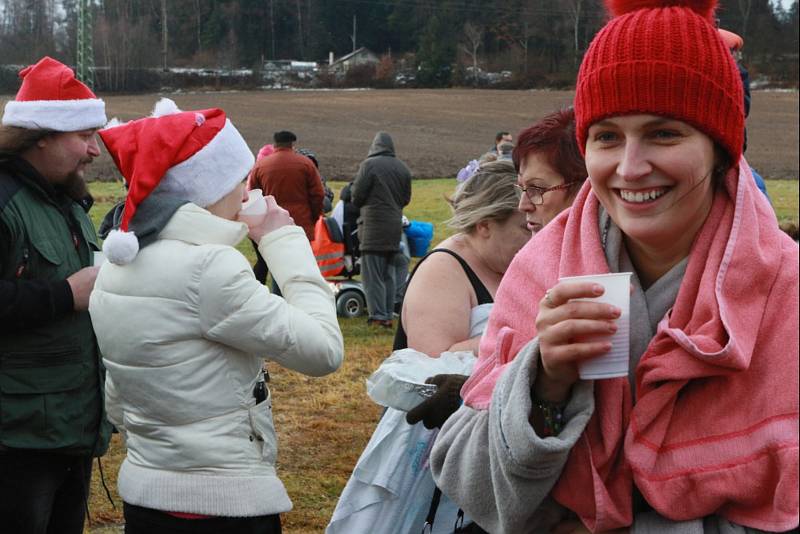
(427, 528)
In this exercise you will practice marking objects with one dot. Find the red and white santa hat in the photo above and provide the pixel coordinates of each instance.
(197, 156)
(51, 98)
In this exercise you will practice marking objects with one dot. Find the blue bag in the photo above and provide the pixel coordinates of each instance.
(419, 235)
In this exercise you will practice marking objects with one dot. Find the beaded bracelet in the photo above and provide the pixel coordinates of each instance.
(552, 417)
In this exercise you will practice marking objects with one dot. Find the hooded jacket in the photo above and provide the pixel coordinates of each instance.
(381, 188)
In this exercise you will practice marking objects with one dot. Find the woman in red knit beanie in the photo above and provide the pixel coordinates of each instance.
(702, 435)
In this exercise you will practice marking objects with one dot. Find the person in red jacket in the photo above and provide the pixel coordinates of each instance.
(294, 182)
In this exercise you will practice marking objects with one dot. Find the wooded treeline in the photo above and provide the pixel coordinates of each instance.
(444, 42)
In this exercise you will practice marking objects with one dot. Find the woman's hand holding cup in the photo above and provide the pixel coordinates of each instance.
(274, 218)
(568, 331)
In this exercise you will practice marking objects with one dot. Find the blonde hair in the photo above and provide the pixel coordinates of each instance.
(490, 194)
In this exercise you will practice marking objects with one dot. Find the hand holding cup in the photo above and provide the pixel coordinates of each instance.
(254, 209)
(275, 217)
(573, 328)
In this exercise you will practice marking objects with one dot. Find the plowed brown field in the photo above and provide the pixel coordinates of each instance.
(435, 131)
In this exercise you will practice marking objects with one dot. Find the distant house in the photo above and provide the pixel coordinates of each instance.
(289, 65)
(362, 56)
(281, 72)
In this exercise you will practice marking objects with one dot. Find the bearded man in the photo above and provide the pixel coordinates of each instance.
(52, 419)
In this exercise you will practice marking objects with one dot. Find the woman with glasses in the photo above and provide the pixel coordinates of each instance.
(551, 168)
(702, 433)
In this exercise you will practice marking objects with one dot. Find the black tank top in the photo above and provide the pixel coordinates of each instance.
(481, 293)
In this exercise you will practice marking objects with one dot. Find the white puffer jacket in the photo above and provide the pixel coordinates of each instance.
(183, 331)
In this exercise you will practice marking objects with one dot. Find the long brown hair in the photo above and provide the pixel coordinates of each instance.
(15, 140)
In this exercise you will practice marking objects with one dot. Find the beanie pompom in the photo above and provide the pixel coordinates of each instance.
(120, 248)
(165, 106)
(704, 8)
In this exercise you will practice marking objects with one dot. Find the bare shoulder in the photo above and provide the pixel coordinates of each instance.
(440, 273)
(442, 264)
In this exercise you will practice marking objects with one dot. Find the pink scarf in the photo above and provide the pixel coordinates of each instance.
(715, 426)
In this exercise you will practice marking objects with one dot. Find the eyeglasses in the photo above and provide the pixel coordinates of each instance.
(536, 194)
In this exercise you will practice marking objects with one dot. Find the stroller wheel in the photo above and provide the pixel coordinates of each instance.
(350, 303)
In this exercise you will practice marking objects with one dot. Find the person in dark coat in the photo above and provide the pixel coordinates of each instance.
(350, 222)
(381, 188)
(53, 420)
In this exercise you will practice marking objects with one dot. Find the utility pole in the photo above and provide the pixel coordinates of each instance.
(85, 59)
(164, 33)
(353, 37)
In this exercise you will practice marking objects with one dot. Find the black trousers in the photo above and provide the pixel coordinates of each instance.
(43, 493)
(139, 520)
(260, 268)
(261, 271)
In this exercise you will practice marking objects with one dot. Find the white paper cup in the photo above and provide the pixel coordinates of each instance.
(254, 209)
(98, 258)
(615, 362)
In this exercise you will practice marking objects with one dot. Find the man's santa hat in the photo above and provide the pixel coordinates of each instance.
(51, 98)
(197, 156)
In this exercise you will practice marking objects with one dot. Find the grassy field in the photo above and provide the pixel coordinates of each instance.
(324, 423)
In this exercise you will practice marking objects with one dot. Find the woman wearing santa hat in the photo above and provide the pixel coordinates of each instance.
(702, 435)
(184, 327)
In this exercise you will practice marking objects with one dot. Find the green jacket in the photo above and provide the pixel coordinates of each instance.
(51, 373)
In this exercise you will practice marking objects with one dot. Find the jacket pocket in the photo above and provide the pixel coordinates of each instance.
(263, 430)
(48, 250)
(40, 405)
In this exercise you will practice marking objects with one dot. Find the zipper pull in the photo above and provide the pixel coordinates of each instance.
(24, 265)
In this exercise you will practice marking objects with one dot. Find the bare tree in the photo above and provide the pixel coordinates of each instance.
(474, 39)
(299, 28)
(198, 24)
(517, 28)
(745, 6)
(164, 34)
(272, 27)
(575, 8)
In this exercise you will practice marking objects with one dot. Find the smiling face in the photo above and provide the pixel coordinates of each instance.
(653, 175)
(536, 171)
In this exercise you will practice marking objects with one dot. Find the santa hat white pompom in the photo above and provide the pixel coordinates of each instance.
(165, 106)
(120, 248)
(113, 123)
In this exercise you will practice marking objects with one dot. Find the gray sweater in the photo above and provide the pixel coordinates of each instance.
(492, 463)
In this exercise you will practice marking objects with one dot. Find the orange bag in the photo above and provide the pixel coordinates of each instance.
(328, 253)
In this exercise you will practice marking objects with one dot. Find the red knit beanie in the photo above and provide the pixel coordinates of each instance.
(662, 57)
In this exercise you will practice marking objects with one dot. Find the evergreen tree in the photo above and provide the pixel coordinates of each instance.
(436, 53)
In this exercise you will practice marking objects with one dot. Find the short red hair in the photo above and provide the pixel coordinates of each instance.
(554, 136)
